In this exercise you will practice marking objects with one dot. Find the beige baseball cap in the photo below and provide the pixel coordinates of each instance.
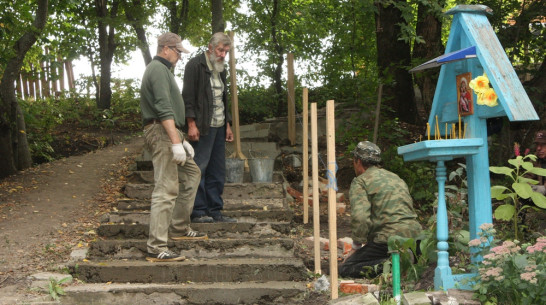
(171, 40)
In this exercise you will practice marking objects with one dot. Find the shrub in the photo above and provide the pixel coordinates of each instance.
(509, 273)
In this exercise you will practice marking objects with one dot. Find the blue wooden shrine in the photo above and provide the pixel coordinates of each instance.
(472, 49)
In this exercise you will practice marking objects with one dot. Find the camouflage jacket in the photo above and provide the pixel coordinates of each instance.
(381, 206)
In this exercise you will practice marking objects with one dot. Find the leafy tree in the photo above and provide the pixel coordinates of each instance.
(138, 14)
(394, 57)
(218, 24)
(13, 142)
(428, 45)
(274, 28)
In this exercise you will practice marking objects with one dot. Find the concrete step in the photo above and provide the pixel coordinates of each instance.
(143, 217)
(210, 248)
(231, 191)
(260, 293)
(202, 270)
(214, 230)
(147, 176)
(255, 149)
(229, 204)
(252, 147)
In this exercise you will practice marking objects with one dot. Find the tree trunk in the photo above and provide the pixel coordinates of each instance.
(107, 46)
(178, 18)
(139, 29)
(429, 28)
(8, 102)
(393, 59)
(24, 159)
(279, 54)
(217, 9)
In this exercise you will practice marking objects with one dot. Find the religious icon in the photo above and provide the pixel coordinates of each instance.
(464, 95)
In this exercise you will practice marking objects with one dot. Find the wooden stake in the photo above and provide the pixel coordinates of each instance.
(25, 85)
(332, 221)
(316, 207)
(70, 74)
(18, 88)
(235, 103)
(61, 73)
(30, 80)
(43, 80)
(291, 100)
(305, 145)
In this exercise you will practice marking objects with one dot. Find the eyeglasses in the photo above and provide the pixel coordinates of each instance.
(176, 50)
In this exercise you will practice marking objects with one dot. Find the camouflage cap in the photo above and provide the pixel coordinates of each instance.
(540, 137)
(368, 152)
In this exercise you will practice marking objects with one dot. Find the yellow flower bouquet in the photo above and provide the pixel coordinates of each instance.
(486, 95)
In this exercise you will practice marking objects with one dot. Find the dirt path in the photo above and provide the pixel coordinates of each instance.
(49, 210)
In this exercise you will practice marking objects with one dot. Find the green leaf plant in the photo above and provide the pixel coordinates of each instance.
(55, 287)
(520, 189)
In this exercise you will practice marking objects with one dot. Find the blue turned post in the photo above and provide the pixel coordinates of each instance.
(442, 273)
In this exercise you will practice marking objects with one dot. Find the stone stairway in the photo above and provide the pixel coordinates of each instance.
(248, 262)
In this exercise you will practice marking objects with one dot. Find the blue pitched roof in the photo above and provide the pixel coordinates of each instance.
(465, 53)
(471, 28)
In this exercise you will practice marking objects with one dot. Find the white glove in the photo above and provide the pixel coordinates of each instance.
(179, 154)
(188, 148)
(539, 188)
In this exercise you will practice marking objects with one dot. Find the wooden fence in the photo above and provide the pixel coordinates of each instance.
(47, 81)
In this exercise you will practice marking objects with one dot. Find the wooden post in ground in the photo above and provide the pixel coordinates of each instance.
(30, 82)
(18, 88)
(61, 73)
(235, 103)
(291, 100)
(332, 188)
(305, 160)
(316, 208)
(69, 74)
(52, 75)
(377, 110)
(25, 84)
(36, 82)
(43, 80)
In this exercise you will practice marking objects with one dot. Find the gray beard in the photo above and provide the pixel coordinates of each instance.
(218, 66)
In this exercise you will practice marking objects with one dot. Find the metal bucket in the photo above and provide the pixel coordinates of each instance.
(261, 170)
(235, 169)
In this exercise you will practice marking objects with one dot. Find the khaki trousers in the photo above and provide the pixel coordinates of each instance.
(174, 191)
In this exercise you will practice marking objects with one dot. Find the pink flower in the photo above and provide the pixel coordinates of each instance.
(527, 151)
(486, 226)
(475, 242)
(516, 149)
(529, 276)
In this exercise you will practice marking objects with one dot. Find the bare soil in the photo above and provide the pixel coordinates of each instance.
(53, 208)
